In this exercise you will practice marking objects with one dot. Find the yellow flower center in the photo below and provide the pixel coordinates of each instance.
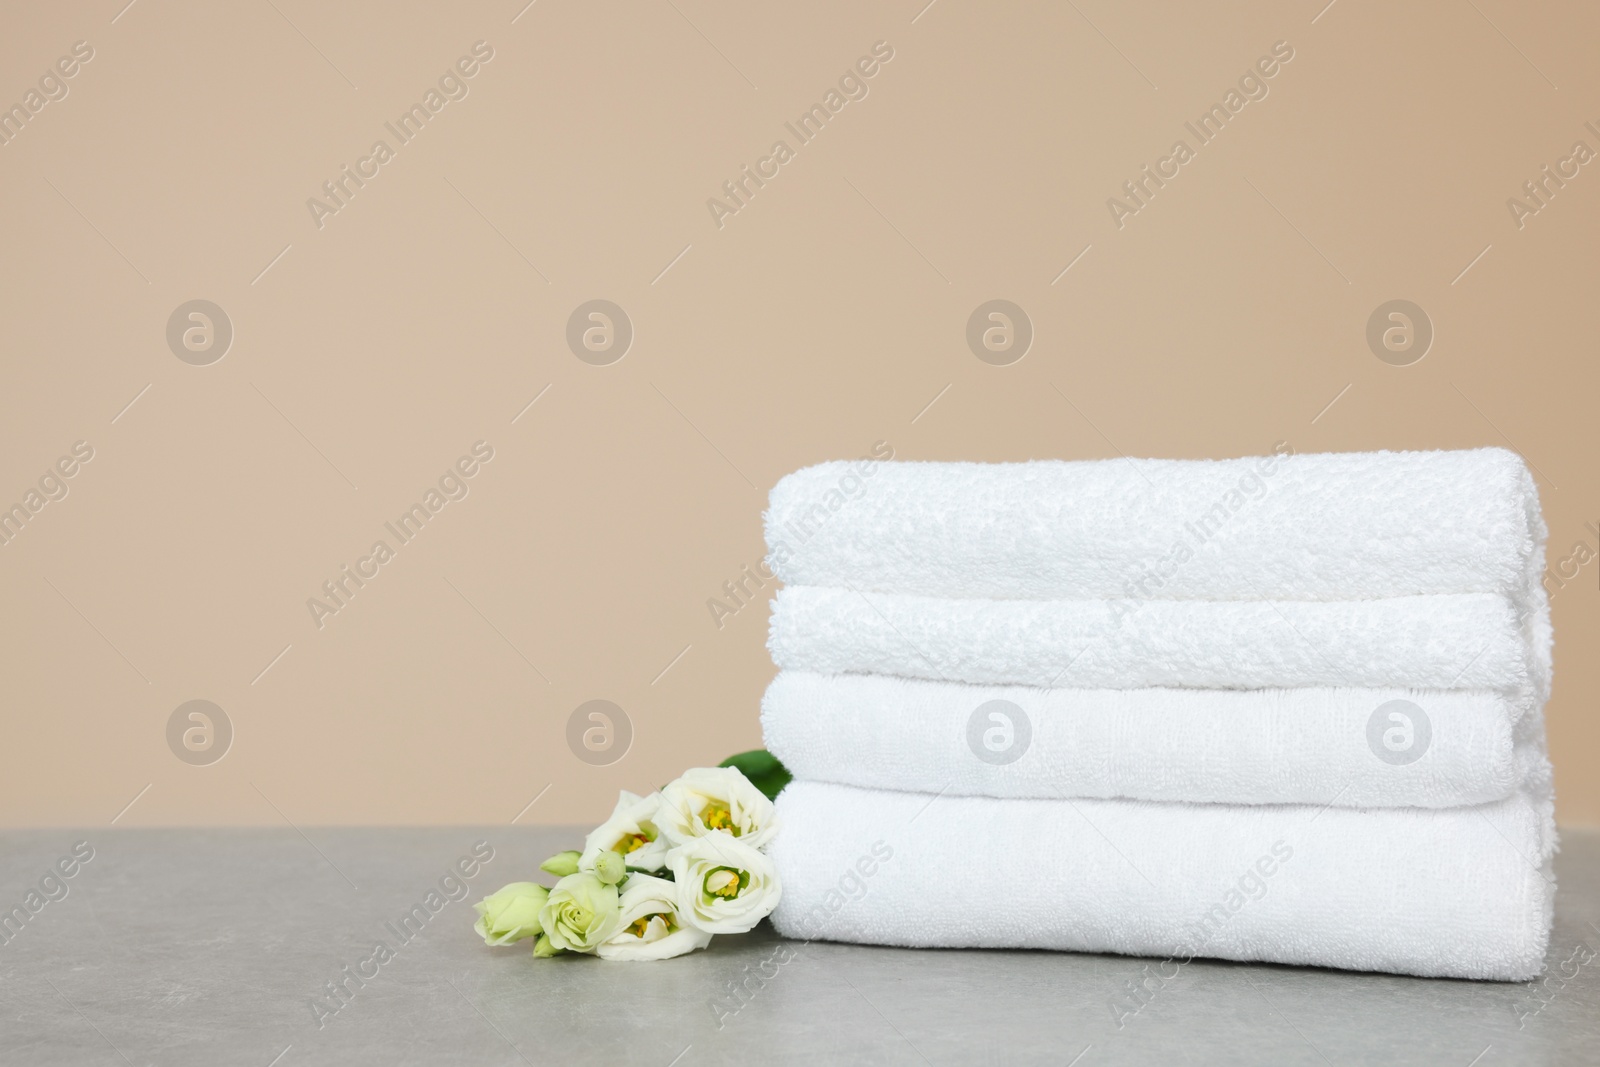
(718, 817)
(630, 843)
(725, 882)
(640, 926)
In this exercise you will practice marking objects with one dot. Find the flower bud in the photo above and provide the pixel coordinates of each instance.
(510, 914)
(610, 867)
(561, 864)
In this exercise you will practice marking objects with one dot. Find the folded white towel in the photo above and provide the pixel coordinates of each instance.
(1292, 527)
(1262, 746)
(1462, 892)
(1449, 641)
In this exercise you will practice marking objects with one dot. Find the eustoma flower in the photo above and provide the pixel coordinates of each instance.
(658, 878)
(651, 926)
(632, 831)
(724, 885)
(580, 914)
(511, 913)
(707, 800)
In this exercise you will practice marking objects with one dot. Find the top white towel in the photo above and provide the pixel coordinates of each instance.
(1335, 526)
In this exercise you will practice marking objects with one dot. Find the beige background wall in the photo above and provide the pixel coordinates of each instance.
(827, 314)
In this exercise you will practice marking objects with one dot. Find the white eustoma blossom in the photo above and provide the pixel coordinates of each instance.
(706, 800)
(724, 885)
(633, 831)
(651, 926)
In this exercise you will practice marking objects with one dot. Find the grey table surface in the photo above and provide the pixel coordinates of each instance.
(213, 946)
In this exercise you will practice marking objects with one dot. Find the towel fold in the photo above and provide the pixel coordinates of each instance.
(1290, 527)
(1267, 746)
(1447, 641)
(1463, 892)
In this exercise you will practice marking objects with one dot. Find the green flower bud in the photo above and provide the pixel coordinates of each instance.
(511, 914)
(610, 867)
(561, 864)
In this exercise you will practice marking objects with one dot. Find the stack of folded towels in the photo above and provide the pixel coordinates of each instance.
(1286, 708)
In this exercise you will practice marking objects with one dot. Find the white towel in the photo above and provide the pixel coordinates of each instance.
(1463, 892)
(1448, 641)
(1292, 527)
(1264, 746)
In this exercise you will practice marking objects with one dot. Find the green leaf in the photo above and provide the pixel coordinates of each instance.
(763, 770)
